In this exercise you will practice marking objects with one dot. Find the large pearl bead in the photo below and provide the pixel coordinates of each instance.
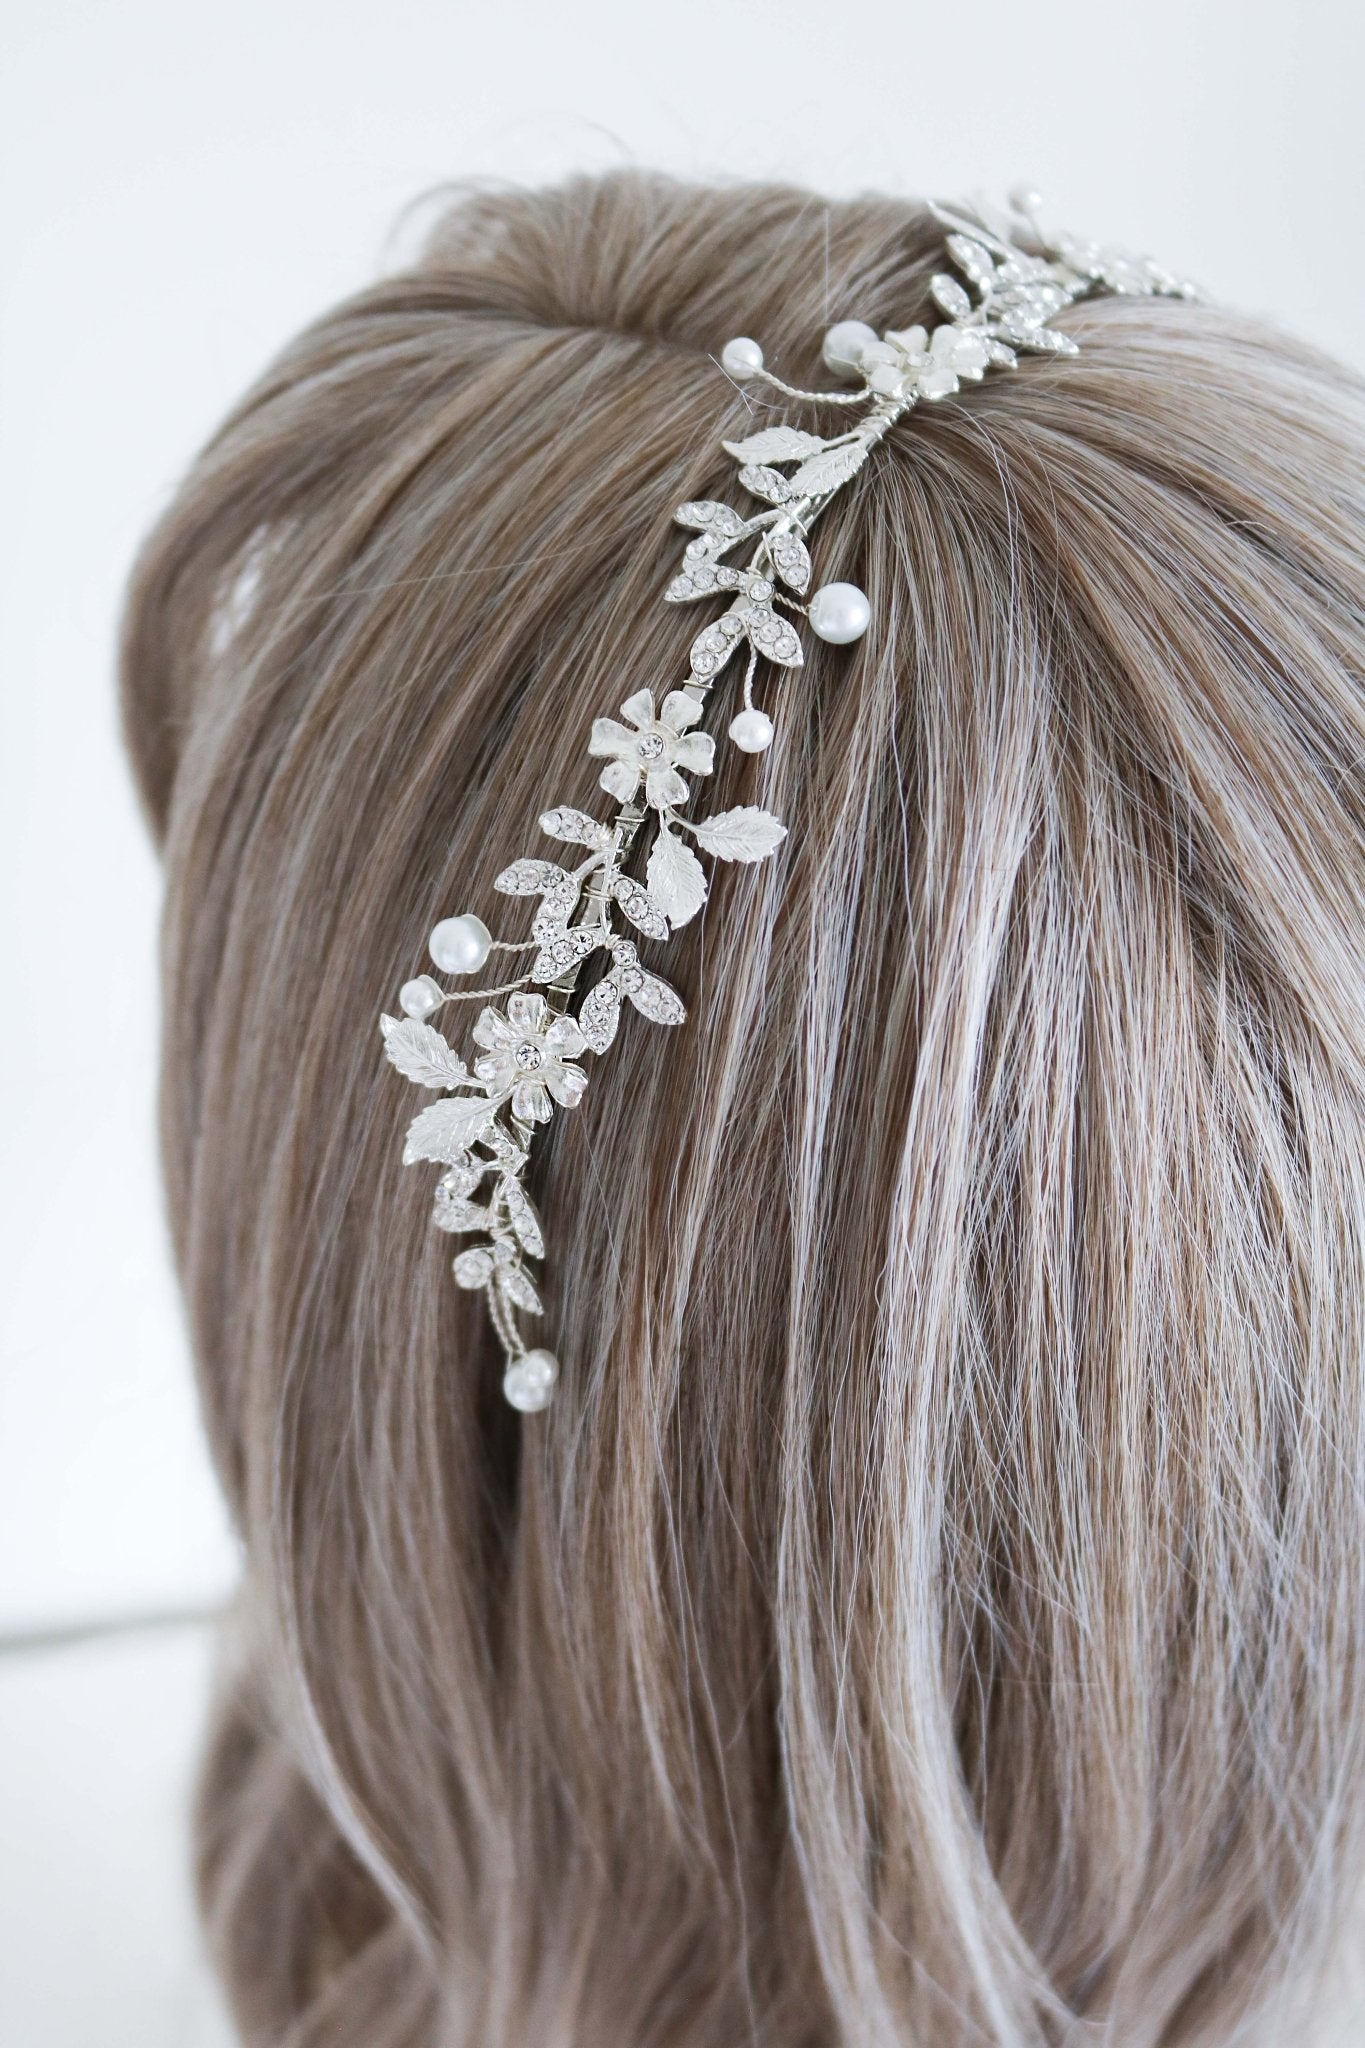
(741, 358)
(751, 730)
(844, 345)
(840, 612)
(530, 1380)
(460, 945)
(419, 998)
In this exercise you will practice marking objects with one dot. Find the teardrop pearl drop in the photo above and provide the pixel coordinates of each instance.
(741, 358)
(751, 730)
(419, 998)
(840, 612)
(529, 1381)
(460, 945)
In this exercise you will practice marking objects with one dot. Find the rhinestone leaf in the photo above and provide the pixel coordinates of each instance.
(774, 444)
(565, 950)
(638, 907)
(600, 1014)
(711, 517)
(950, 296)
(520, 1290)
(826, 471)
(458, 1214)
(973, 259)
(700, 579)
(774, 636)
(765, 483)
(530, 878)
(745, 834)
(654, 999)
(575, 826)
(523, 1218)
(447, 1129)
(791, 559)
(715, 644)
(473, 1268)
(421, 1054)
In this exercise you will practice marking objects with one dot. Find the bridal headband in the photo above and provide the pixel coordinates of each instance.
(591, 913)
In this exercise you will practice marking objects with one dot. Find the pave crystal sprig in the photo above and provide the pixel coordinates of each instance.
(1012, 282)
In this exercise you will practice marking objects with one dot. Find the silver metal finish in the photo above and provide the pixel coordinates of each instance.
(1013, 282)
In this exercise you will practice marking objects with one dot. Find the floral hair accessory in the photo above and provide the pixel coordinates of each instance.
(1014, 279)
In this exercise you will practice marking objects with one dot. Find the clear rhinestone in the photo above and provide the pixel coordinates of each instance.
(650, 747)
(528, 1057)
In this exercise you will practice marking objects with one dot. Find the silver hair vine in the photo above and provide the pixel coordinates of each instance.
(1015, 279)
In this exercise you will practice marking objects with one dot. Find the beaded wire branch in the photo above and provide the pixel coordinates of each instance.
(1017, 279)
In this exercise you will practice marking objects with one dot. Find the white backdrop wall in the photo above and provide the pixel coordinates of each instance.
(184, 186)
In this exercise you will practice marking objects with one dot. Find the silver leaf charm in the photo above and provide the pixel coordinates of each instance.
(774, 444)
(639, 907)
(675, 878)
(745, 834)
(791, 560)
(447, 1129)
(827, 471)
(421, 1054)
(576, 827)
(600, 1014)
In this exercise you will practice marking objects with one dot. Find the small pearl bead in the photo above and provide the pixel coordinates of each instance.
(741, 358)
(839, 613)
(419, 998)
(844, 345)
(1026, 201)
(530, 1380)
(460, 945)
(751, 731)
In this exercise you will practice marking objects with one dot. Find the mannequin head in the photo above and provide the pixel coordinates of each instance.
(932, 1607)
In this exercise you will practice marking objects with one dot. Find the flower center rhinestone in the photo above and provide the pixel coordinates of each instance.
(651, 746)
(528, 1057)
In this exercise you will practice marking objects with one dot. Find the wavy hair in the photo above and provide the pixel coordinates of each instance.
(932, 1609)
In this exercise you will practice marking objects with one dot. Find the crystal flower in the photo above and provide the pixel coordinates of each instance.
(652, 749)
(527, 1056)
(909, 361)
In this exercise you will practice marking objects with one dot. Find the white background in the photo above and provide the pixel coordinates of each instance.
(183, 186)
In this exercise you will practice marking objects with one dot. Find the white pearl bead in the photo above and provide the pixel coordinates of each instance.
(844, 345)
(741, 358)
(840, 612)
(419, 998)
(530, 1380)
(751, 730)
(460, 945)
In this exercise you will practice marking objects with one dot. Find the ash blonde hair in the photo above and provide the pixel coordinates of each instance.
(932, 1610)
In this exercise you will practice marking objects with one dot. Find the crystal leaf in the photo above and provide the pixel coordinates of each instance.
(791, 559)
(553, 913)
(675, 878)
(715, 644)
(774, 444)
(1001, 354)
(522, 1217)
(458, 1214)
(462, 1179)
(638, 907)
(654, 999)
(509, 1156)
(530, 878)
(710, 517)
(520, 1290)
(829, 469)
(773, 635)
(973, 259)
(447, 1129)
(575, 826)
(473, 1268)
(600, 1015)
(765, 483)
(746, 834)
(565, 950)
(700, 579)
(948, 293)
(419, 1052)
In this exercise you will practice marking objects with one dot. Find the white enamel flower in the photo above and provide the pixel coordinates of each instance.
(527, 1054)
(909, 361)
(652, 749)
